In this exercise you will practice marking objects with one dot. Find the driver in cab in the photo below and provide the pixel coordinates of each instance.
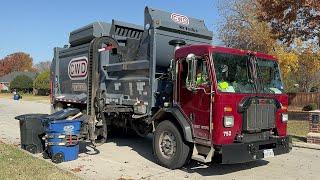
(202, 75)
(223, 84)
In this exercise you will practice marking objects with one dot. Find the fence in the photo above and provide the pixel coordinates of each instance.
(302, 99)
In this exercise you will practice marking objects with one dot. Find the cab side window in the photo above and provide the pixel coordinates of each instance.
(202, 76)
(195, 74)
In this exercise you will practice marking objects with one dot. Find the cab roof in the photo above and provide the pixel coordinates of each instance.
(206, 49)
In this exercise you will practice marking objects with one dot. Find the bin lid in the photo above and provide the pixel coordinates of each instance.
(63, 114)
(48, 121)
(66, 121)
(25, 117)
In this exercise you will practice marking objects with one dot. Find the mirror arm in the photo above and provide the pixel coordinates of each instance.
(204, 90)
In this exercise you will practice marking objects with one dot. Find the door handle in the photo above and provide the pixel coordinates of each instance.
(191, 116)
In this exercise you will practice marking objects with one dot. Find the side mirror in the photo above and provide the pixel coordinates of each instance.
(191, 78)
(172, 68)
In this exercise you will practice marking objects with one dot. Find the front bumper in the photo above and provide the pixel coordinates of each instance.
(245, 152)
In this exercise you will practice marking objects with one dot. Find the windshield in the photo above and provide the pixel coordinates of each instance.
(234, 75)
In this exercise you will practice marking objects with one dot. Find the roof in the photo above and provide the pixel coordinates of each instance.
(9, 77)
(200, 49)
(3, 87)
(242, 52)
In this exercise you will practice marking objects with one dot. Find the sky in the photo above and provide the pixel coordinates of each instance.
(37, 26)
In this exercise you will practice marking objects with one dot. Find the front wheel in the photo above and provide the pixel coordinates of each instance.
(169, 148)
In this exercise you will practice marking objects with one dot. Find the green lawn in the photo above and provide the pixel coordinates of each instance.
(27, 97)
(17, 164)
(298, 130)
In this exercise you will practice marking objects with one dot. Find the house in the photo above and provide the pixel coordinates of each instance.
(6, 79)
(4, 87)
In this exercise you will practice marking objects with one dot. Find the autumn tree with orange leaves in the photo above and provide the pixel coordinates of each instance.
(19, 61)
(292, 19)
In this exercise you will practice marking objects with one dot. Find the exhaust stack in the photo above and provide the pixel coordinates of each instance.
(177, 43)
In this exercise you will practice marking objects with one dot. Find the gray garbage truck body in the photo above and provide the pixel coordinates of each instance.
(132, 74)
(125, 76)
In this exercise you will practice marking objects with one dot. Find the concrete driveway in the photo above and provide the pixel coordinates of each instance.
(131, 157)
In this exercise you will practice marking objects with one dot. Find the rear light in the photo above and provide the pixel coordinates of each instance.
(284, 117)
(228, 121)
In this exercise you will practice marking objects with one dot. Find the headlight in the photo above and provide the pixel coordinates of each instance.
(284, 117)
(228, 121)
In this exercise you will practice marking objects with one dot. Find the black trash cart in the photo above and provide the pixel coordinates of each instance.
(31, 132)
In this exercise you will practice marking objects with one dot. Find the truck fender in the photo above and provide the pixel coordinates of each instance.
(175, 115)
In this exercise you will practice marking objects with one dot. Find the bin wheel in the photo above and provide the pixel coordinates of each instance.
(45, 155)
(57, 158)
(31, 148)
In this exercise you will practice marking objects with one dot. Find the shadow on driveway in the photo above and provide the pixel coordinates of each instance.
(143, 146)
(220, 169)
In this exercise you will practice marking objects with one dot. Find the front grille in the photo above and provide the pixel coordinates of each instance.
(259, 115)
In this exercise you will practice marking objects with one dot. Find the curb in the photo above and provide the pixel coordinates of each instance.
(306, 145)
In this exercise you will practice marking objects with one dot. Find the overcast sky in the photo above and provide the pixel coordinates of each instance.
(36, 27)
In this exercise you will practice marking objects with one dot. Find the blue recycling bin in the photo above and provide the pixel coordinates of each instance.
(62, 139)
(16, 97)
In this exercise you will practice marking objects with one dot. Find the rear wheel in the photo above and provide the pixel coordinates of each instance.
(169, 148)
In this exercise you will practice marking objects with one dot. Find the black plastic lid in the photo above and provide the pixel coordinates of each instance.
(25, 117)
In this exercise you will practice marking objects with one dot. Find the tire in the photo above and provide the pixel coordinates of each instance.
(45, 155)
(57, 158)
(31, 148)
(171, 159)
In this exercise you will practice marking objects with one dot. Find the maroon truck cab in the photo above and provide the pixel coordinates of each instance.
(236, 105)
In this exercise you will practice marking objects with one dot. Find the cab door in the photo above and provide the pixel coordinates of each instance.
(195, 101)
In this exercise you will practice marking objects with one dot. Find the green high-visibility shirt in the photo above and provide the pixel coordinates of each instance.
(223, 85)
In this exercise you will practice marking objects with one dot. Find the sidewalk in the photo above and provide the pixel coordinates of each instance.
(306, 145)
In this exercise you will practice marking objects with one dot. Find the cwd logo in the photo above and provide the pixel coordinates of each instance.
(180, 19)
(78, 68)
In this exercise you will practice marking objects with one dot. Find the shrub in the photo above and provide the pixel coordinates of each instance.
(22, 83)
(4, 91)
(310, 107)
(42, 83)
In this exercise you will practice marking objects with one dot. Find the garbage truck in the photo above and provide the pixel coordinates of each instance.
(200, 101)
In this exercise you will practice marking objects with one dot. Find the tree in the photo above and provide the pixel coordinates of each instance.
(242, 29)
(42, 66)
(245, 29)
(42, 83)
(292, 19)
(19, 61)
(22, 83)
(288, 60)
(307, 74)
